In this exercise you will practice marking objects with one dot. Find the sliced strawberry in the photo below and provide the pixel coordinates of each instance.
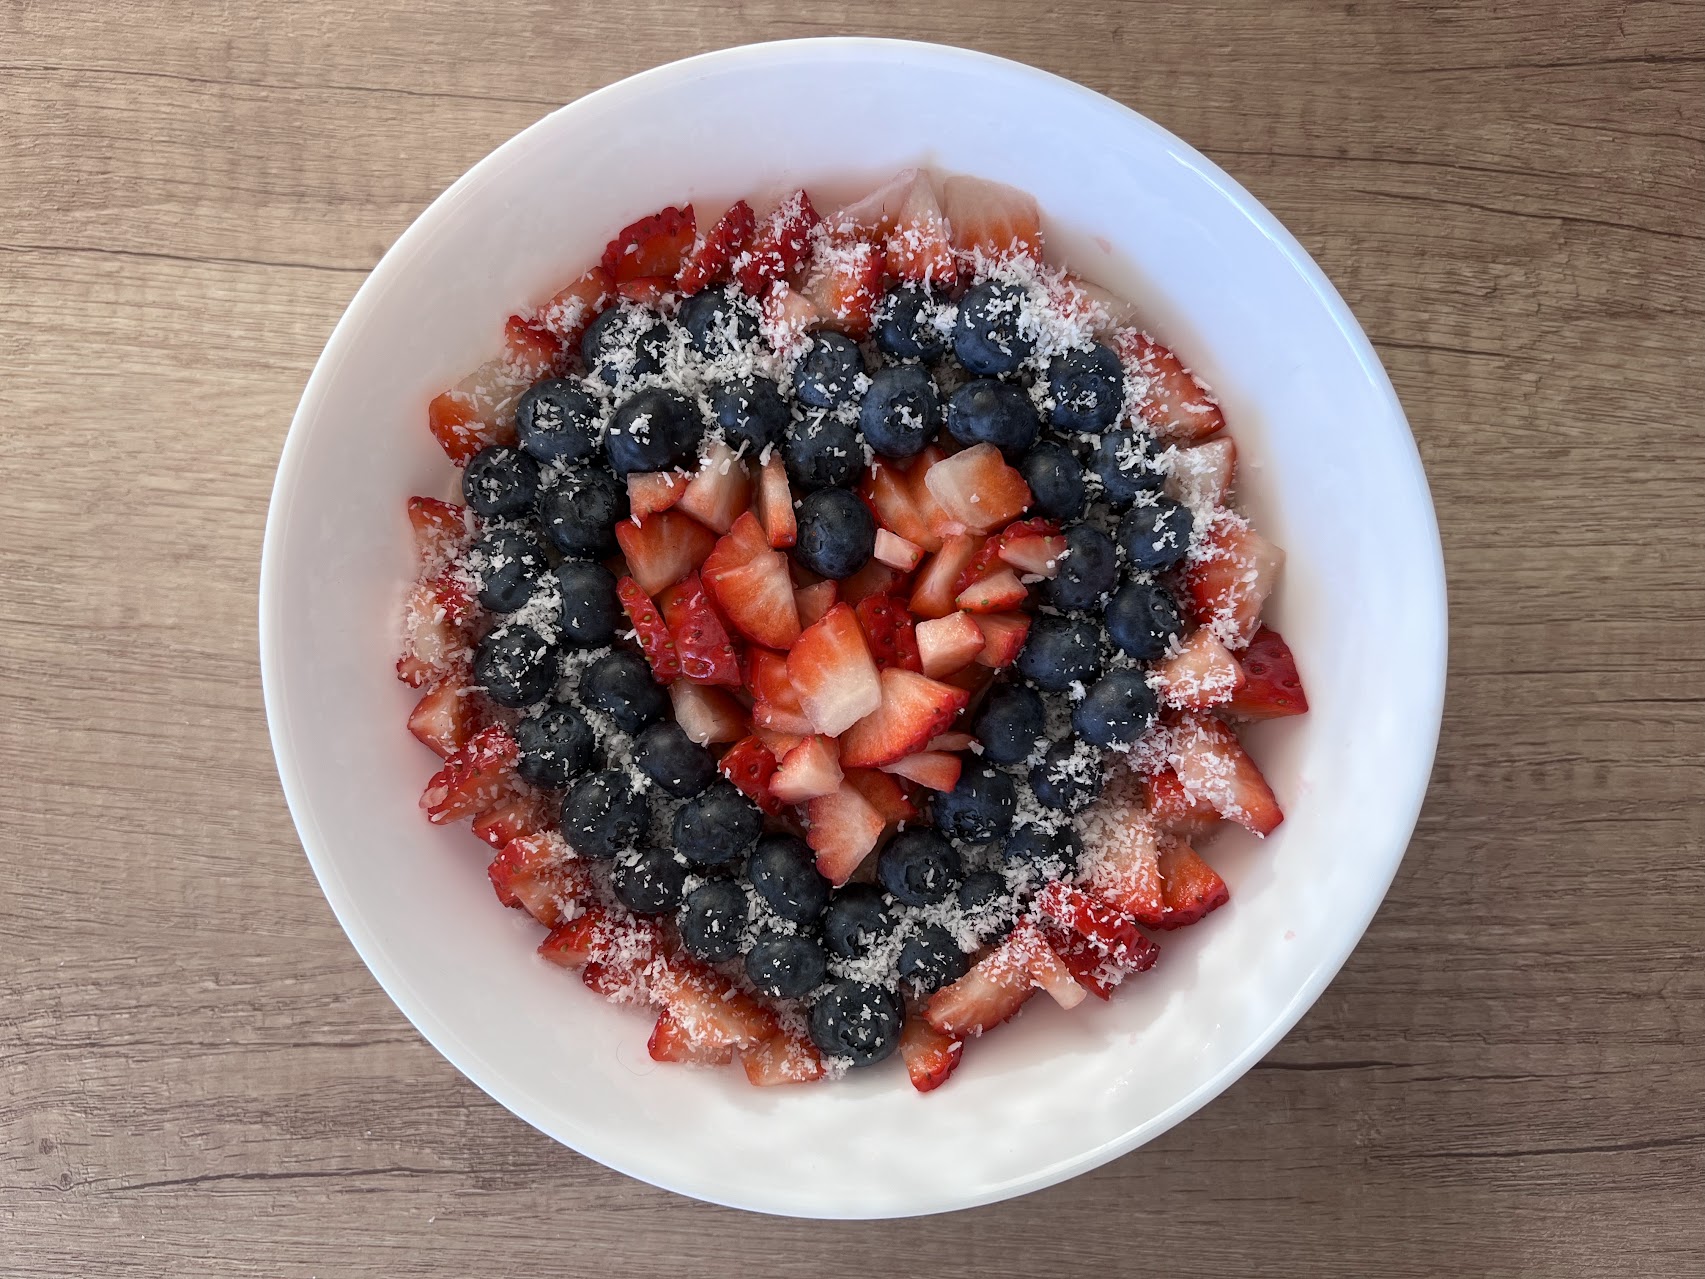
(462, 428)
(1200, 475)
(670, 1042)
(1112, 931)
(998, 593)
(780, 246)
(896, 552)
(713, 256)
(1174, 809)
(938, 580)
(1045, 968)
(651, 631)
(707, 656)
(936, 770)
(472, 779)
(739, 546)
(978, 489)
(707, 715)
(708, 1007)
(810, 770)
(775, 503)
(776, 742)
(912, 709)
(843, 829)
(663, 548)
(446, 717)
(653, 491)
(1212, 765)
(1200, 675)
(1176, 407)
(814, 601)
(990, 219)
(720, 491)
(750, 765)
(1229, 575)
(1191, 887)
(572, 944)
(532, 350)
(1272, 688)
(1088, 966)
(752, 585)
(953, 743)
(1123, 865)
(785, 317)
(929, 510)
(1036, 553)
(441, 531)
(930, 1056)
(994, 990)
(947, 644)
(987, 560)
(832, 671)
(845, 284)
(452, 597)
(512, 818)
(885, 794)
(920, 242)
(889, 632)
(874, 578)
(775, 704)
(781, 1059)
(1003, 638)
(576, 305)
(653, 246)
(649, 291)
(1080, 301)
(888, 492)
(536, 873)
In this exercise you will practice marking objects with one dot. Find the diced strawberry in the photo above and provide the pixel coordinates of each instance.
(1191, 887)
(1272, 688)
(461, 428)
(701, 642)
(1174, 404)
(670, 1042)
(1123, 867)
(978, 489)
(576, 305)
(1112, 931)
(814, 601)
(930, 1056)
(845, 284)
(663, 548)
(720, 491)
(535, 873)
(1174, 809)
(1082, 301)
(920, 244)
(1046, 969)
(889, 494)
(781, 1059)
(1200, 675)
(998, 593)
(832, 671)
(649, 291)
(446, 717)
(474, 778)
(1211, 764)
(776, 742)
(912, 709)
(929, 510)
(708, 1007)
(1228, 577)
(775, 503)
(938, 580)
(532, 350)
(653, 491)
(1033, 553)
(651, 631)
(843, 830)
(936, 770)
(987, 560)
(441, 531)
(750, 765)
(574, 943)
(752, 585)
(889, 632)
(780, 246)
(953, 743)
(896, 552)
(875, 578)
(1088, 966)
(775, 704)
(705, 714)
(991, 219)
(511, 818)
(884, 794)
(452, 597)
(947, 644)
(1003, 638)
(809, 770)
(972, 679)
(739, 546)
(785, 317)
(994, 990)
(652, 246)
(1200, 475)
(713, 256)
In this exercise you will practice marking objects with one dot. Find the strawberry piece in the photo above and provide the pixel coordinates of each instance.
(843, 829)
(1044, 967)
(889, 632)
(1173, 808)
(978, 489)
(1003, 638)
(1191, 887)
(832, 671)
(461, 428)
(1088, 966)
(751, 583)
(780, 246)
(670, 1041)
(987, 560)
(720, 491)
(927, 507)
(947, 644)
(441, 532)
(713, 256)
(1211, 764)
(573, 943)
(512, 818)
(1174, 404)
(775, 503)
(750, 765)
(1272, 688)
(446, 717)
(912, 709)
(808, 771)
(651, 631)
(1200, 675)
(845, 284)
(1112, 931)
(930, 1056)
(775, 741)
(707, 656)
(532, 350)
(1037, 553)
(453, 597)
(1123, 867)
(663, 548)
(896, 552)
(709, 1008)
(473, 779)
(936, 770)
(998, 593)
(653, 491)
(883, 793)
(938, 581)
(888, 492)
(1230, 573)
(1081, 301)
(991, 219)
(649, 291)
(953, 743)
(873, 579)
(775, 704)
(535, 873)
(1200, 476)
(905, 215)
(785, 317)
(705, 714)
(781, 1059)
(739, 546)
(814, 601)
(652, 246)
(992, 992)
(576, 305)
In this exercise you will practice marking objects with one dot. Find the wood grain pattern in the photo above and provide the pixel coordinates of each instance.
(198, 1076)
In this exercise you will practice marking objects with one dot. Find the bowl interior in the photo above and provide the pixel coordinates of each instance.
(1328, 470)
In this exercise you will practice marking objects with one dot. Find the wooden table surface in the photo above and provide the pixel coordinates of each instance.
(197, 1075)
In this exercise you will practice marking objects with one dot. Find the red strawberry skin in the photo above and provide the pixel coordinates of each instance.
(750, 766)
(890, 632)
(652, 246)
(653, 633)
(701, 641)
(1272, 688)
(780, 247)
(914, 709)
(710, 261)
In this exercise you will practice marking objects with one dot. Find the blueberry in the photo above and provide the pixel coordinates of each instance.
(983, 892)
(986, 337)
(515, 666)
(1155, 536)
(823, 452)
(557, 421)
(1086, 389)
(784, 873)
(717, 826)
(580, 511)
(719, 322)
(649, 883)
(858, 1022)
(836, 533)
(1056, 853)
(556, 745)
(989, 412)
(1009, 723)
(904, 325)
(511, 561)
(785, 965)
(590, 610)
(679, 765)
(1124, 463)
(500, 481)
(979, 806)
(620, 684)
(856, 919)
(624, 343)
(1059, 652)
(653, 431)
(828, 373)
(918, 867)
(1055, 479)
(902, 410)
(1069, 776)
(931, 959)
(1118, 708)
(713, 920)
(603, 814)
(1087, 572)
(1142, 620)
(751, 413)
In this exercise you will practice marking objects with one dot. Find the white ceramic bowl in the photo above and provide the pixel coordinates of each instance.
(1328, 469)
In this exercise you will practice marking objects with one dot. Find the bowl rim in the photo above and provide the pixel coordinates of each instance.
(449, 1042)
